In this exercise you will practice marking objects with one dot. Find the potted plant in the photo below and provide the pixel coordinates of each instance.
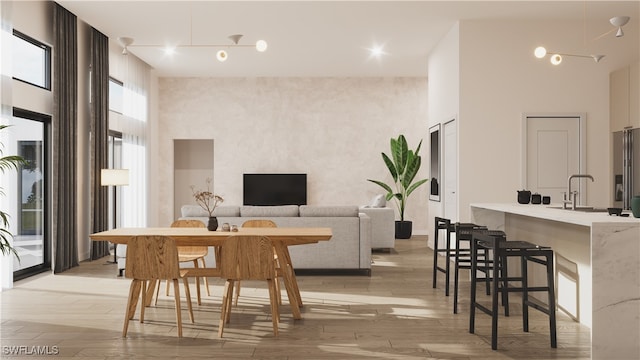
(7, 163)
(208, 201)
(403, 166)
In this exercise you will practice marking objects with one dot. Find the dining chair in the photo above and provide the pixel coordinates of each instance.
(260, 223)
(247, 258)
(191, 254)
(151, 258)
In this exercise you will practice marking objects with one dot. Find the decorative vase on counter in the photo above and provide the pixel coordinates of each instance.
(213, 223)
(635, 206)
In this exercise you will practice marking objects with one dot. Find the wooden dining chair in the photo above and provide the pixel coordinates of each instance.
(191, 254)
(259, 223)
(152, 258)
(247, 258)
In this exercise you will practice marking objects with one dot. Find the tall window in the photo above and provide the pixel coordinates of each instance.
(30, 218)
(116, 91)
(31, 61)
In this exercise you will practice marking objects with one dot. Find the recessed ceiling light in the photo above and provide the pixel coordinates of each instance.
(376, 51)
(169, 50)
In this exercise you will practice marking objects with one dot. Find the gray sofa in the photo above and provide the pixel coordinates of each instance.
(348, 251)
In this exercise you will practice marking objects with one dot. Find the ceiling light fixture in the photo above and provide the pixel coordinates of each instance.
(221, 55)
(125, 42)
(556, 57)
(618, 22)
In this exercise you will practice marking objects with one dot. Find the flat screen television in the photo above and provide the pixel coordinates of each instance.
(274, 189)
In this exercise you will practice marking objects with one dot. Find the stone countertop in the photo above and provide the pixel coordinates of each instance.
(555, 212)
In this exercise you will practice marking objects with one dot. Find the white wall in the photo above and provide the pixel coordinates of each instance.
(333, 129)
(500, 79)
(444, 101)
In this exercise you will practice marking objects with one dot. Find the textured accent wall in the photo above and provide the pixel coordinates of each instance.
(333, 129)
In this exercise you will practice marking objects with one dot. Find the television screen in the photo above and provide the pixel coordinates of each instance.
(275, 189)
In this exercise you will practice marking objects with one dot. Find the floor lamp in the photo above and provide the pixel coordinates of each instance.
(114, 177)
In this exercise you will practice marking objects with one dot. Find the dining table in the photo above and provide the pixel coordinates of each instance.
(282, 238)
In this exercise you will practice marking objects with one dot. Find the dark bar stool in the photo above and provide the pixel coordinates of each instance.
(442, 224)
(462, 254)
(501, 250)
(445, 224)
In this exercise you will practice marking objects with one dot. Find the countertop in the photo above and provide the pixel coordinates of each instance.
(557, 214)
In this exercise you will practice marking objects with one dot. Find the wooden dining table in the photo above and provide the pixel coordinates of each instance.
(282, 238)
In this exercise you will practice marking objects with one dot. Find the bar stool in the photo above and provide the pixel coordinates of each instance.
(445, 224)
(501, 250)
(442, 224)
(463, 255)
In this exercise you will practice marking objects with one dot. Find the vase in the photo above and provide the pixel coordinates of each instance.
(213, 223)
(635, 206)
(403, 229)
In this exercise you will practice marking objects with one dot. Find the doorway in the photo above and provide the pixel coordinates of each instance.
(553, 150)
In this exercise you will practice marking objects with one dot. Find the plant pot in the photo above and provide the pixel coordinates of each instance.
(635, 206)
(213, 224)
(403, 229)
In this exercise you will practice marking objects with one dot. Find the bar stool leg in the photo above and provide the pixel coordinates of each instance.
(435, 253)
(525, 294)
(495, 270)
(447, 266)
(456, 275)
(472, 297)
(552, 300)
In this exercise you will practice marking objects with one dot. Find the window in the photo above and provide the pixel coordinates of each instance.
(116, 92)
(31, 61)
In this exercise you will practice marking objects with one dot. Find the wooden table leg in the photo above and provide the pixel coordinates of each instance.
(289, 278)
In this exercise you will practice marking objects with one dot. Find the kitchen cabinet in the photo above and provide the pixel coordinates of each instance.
(624, 97)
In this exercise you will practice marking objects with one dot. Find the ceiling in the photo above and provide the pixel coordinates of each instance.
(311, 38)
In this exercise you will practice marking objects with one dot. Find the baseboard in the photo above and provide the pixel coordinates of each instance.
(332, 272)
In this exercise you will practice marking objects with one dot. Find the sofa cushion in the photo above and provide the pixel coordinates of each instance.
(269, 211)
(197, 211)
(328, 211)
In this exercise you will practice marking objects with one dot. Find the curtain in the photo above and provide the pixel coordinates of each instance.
(64, 179)
(134, 141)
(99, 109)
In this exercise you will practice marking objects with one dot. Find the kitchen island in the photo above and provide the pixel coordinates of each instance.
(597, 267)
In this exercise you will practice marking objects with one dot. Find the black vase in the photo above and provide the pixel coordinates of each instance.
(403, 229)
(213, 223)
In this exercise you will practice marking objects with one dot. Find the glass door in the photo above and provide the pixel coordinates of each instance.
(30, 217)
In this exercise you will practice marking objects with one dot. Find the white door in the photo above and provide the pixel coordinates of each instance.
(553, 148)
(450, 171)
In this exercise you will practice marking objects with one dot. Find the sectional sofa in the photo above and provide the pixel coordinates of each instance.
(348, 251)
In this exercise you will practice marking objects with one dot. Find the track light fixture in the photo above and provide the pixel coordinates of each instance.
(556, 58)
(221, 55)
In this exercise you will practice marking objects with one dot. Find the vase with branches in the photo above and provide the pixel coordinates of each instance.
(8, 162)
(208, 201)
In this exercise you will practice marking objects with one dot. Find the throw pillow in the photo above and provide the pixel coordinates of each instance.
(379, 201)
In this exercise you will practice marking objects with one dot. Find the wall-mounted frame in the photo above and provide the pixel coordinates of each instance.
(434, 163)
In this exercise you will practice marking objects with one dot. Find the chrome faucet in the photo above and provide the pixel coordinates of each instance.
(573, 194)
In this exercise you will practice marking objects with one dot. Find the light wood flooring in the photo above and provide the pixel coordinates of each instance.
(394, 314)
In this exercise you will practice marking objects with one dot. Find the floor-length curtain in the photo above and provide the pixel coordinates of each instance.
(65, 97)
(134, 141)
(99, 138)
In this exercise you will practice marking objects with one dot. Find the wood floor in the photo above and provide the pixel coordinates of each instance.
(394, 314)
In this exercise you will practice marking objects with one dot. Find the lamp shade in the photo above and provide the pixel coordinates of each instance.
(114, 177)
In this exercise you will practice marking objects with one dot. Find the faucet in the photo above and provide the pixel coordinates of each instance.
(572, 199)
